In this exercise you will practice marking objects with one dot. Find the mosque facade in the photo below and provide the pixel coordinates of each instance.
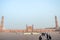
(28, 28)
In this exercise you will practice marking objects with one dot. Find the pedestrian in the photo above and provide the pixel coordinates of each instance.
(50, 37)
(40, 38)
(47, 36)
(43, 36)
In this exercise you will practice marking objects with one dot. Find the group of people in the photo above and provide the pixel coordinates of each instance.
(45, 36)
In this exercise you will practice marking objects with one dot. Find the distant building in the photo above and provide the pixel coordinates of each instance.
(30, 28)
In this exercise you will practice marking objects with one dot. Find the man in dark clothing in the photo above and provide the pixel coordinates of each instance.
(49, 37)
(40, 38)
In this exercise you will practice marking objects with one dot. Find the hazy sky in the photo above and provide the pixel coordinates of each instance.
(40, 13)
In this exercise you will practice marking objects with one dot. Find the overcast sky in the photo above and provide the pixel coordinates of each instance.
(40, 13)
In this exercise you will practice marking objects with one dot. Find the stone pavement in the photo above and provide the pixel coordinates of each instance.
(21, 36)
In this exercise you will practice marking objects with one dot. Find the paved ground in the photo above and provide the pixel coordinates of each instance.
(20, 36)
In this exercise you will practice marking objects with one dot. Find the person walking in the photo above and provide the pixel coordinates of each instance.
(48, 37)
(40, 38)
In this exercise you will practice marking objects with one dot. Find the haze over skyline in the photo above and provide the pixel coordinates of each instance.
(40, 13)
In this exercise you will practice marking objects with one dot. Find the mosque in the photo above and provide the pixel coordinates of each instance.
(30, 28)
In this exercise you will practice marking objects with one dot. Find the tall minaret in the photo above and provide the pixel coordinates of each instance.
(2, 22)
(32, 27)
(56, 22)
(26, 28)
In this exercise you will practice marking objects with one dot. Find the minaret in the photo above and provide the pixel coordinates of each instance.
(26, 28)
(2, 22)
(56, 22)
(32, 28)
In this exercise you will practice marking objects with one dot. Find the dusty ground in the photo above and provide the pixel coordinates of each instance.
(20, 36)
